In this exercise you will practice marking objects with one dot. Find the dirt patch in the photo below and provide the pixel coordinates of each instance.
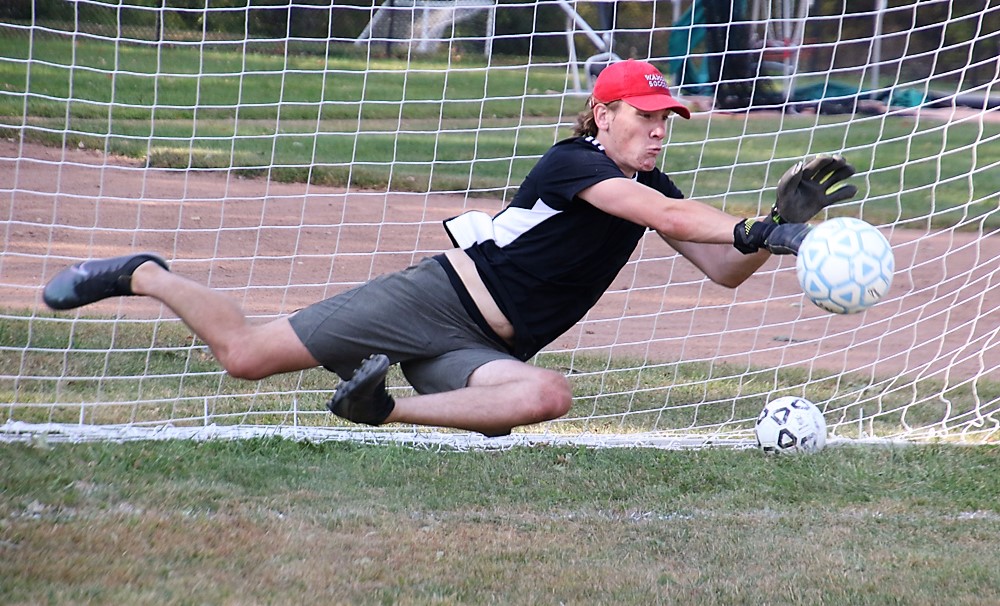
(278, 247)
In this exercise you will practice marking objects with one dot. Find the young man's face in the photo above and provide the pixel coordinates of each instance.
(632, 138)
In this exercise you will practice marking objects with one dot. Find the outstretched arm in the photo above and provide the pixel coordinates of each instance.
(702, 233)
(679, 219)
(721, 263)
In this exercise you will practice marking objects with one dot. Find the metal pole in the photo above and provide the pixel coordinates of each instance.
(798, 39)
(491, 20)
(392, 19)
(877, 46)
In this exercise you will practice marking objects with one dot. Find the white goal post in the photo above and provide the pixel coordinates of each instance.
(426, 24)
(283, 154)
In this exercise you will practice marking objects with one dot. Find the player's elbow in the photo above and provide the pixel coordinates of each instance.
(730, 279)
(732, 268)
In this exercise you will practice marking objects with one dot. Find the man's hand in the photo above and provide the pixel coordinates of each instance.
(807, 188)
(750, 235)
(785, 239)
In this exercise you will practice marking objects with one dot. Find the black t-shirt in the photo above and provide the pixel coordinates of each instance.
(549, 256)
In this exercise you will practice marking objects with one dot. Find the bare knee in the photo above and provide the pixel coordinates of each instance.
(553, 396)
(240, 363)
(248, 373)
(255, 353)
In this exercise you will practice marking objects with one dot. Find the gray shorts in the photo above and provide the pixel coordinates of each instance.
(413, 316)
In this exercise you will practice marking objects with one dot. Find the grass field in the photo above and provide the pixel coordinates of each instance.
(279, 522)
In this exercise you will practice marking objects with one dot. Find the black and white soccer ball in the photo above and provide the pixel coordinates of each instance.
(790, 425)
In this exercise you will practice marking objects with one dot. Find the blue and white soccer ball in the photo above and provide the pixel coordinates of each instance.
(845, 265)
(790, 425)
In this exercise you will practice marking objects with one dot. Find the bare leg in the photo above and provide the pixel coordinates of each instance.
(246, 351)
(501, 395)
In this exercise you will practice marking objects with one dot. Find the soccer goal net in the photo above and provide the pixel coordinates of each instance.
(285, 153)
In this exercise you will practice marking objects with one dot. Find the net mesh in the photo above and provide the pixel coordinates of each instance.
(282, 155)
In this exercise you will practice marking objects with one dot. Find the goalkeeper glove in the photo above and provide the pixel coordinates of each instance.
(807, 188)
(751, 235)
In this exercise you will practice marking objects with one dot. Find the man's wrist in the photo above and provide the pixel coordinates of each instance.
(749, 235)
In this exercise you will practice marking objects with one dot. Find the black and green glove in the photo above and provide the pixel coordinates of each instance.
(809, 187)
(751, 235)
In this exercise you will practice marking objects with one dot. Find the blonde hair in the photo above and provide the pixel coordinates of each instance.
(585, 125)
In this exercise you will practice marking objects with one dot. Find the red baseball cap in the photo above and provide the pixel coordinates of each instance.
(639, 84)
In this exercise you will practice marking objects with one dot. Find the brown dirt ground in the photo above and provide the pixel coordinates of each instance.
(278, 247)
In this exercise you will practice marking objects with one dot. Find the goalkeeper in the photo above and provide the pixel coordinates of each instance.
(463, 324)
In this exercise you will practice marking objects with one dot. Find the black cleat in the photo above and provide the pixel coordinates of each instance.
(93, 280)
(364, 398)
